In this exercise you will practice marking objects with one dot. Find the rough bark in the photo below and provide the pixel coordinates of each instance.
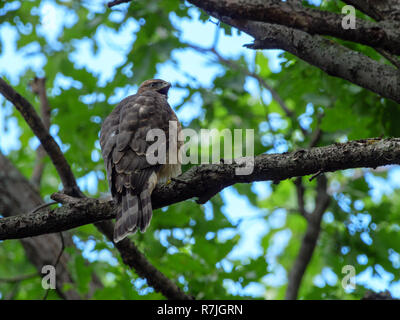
(331, 57)
(385, 35)
(379, 10)
(205, 181)
(297, 29)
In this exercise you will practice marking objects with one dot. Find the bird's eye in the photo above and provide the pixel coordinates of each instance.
(153, 84)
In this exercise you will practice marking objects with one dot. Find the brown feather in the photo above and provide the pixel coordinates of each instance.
(123, 143)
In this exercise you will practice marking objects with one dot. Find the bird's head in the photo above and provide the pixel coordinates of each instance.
(157, 85)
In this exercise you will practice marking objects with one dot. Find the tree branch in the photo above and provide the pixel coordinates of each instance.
(56, 261)
(310, 239)
(385, 34)
(50, 220)
(300, 196)
(116, 2)
(38, 86)
(333, 58)
(393, 59)
(379, 10)
(203, 179)
(47, 141)
(135, 259)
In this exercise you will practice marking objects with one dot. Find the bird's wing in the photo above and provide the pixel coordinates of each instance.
(124, 146)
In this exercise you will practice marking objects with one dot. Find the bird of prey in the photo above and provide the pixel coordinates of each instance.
(124, 147)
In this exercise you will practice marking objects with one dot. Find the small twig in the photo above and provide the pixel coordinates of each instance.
(57, 261)
(43, 206)
(216, 38)
(135, 259)
(315, 175)
(310, 239)
(117, 2)
(315, 137)
(64, 198)
(300, 196)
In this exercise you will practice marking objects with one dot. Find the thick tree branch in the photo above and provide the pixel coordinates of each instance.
(212, 178)
(385, 34)
(379, 10)
(333, 58)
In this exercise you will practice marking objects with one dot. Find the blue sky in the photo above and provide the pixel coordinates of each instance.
(112, 48)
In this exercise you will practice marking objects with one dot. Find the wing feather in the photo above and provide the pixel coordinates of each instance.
(123, 143)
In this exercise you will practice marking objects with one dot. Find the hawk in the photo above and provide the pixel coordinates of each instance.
(124, 148)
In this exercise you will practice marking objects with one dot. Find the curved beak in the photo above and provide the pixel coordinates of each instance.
(165, 88)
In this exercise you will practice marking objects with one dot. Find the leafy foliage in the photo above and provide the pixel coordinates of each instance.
(196, 246)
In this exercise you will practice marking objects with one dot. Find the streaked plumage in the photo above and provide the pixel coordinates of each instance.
(123, 143)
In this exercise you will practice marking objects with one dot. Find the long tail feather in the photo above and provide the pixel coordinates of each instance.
(147, 211)
(127, 219)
